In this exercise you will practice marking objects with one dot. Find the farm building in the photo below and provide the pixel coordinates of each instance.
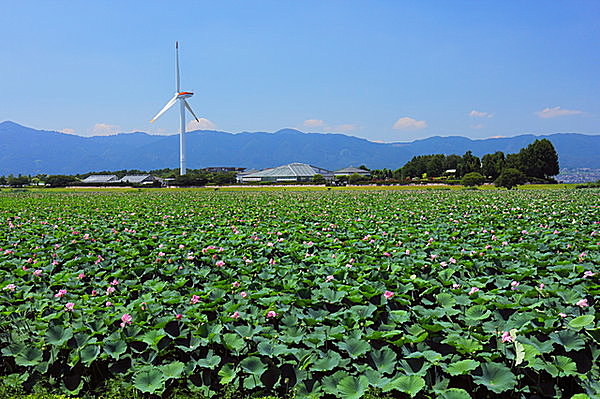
(352, 170)
(293, 172)
(139, 179)
(100, 179)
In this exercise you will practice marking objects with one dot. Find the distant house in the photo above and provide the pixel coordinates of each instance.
(240, 175)
(293, 172)
(139, 179)
(100, 179)
(349, 171)
(222, 169)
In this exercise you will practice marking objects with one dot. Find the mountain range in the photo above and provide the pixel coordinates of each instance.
(29, 151)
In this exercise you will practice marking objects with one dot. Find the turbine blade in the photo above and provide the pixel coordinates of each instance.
(190, 109)
(165, 108)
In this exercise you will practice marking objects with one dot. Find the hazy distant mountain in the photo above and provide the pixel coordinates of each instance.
(28, 151)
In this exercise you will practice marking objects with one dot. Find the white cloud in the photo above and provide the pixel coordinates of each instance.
(313, 123)
(409, 124)
(201, 124)
(104, 129)
(67, 131)
(557, 111)
(480, 114)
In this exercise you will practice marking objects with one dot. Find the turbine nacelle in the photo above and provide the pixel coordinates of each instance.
(185, 94)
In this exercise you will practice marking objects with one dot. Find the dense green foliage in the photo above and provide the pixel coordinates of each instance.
(510, 178)
(483, 294)
(472, 179)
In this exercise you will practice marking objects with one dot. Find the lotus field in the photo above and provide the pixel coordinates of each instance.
(332, 294)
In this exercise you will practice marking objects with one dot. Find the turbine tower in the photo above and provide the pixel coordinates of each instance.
(183, 104)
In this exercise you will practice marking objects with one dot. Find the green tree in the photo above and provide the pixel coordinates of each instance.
(472, 179)
(318, 179)
(355, 178)
(510, 177)
(18, 181)
(492, 164)
(60, 180)
(539, 159)
(469, 163)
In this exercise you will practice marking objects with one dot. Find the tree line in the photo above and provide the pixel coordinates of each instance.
(536, 163)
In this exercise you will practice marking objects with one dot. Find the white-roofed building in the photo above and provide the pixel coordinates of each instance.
(293, 172)
(139, 179)
(100, 179)
(351, 170)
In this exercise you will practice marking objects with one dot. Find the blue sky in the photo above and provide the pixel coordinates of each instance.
(381, 70)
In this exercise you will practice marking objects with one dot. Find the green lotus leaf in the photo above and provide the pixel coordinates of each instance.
(331, 382)
(496, 377)
(172, 370)
(226, 374)
(455, 393)
(570, 340)
(58, 335)
(409, 384)
(327, 362)
(582, 321)
(149, 380)
(210, 361)
(352, 387)
(354, 347)
(253, 365)
(89, 354)
(477, 312)
(29, 356)
(115, 348)
(384, 359)
(462, 367)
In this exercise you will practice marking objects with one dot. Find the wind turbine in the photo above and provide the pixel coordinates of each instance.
(183, 104)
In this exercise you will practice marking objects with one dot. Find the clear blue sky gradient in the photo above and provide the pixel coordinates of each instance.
(354, 67)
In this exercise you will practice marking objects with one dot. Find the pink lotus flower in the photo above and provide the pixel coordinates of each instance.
(60, 293)
(37, 272)
(563, 315)
(126, 319)
(452, 260)
(69, 306)
(10, 287)
(81, 276)
(178, 316)
(329, 278)
(387, 254)
(541, 286)
(582, 303)
(455, 285)
(506, 337)
(243, 294)
(271, 313)
(114, 282)
(110, 290)
(473, 290)
(94, 292)
(588, 273)
(388, 294)
(235, 284)
(514, 285)
(235, 315)
(24, 268)
(108, 304)
(195, 299)
(220, 263)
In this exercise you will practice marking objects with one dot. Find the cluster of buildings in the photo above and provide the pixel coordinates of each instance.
(290, 173)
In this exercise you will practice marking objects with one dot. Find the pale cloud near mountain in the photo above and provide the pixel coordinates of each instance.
(313, 123)
(557, 111)
(104, 129)
(67, 131)
(318, 123)
(407, 123)
(480, 114)
(201, 124)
